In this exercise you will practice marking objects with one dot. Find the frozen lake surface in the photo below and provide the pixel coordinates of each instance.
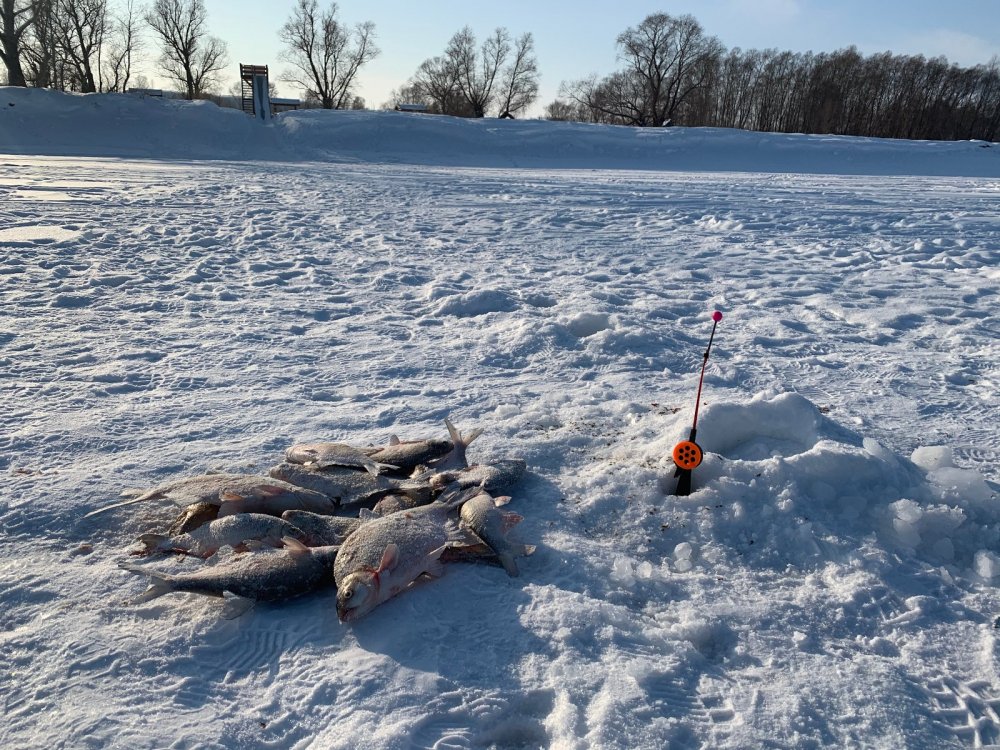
(830, 582)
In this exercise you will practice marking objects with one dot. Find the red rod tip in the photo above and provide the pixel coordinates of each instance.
(716, 316)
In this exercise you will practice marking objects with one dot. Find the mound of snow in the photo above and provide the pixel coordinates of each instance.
(42, 122)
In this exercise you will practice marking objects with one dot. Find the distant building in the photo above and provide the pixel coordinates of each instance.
(422, 108)
(284, 105)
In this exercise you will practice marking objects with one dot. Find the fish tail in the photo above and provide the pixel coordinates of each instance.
(160, 583)
(461, 441)
(122, 504)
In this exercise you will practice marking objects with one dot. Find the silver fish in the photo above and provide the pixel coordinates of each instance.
(409, 454)
(483, 516)
(232, 531)
(493, 477)
(455, 458)
(346, 486)
(258, 494)
(397, 502)
(265, 575)
(323, 455)
(387, 553)
(320, 530)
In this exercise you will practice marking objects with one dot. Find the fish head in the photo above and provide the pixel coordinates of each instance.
(357, 595)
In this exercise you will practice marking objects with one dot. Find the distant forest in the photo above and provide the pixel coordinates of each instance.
(671, 72)
(674, 74)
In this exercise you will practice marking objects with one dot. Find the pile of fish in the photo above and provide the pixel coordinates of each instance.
(369, 520)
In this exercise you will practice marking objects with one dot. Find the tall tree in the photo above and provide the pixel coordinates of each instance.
(519, 86)
(80, 27)
(123, 48)
(16, 16)
(190, 56)
(436, 83)
(476, 71)
(326, 56)
(666, 60)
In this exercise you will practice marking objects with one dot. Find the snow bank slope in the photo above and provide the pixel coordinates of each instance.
(55, 123)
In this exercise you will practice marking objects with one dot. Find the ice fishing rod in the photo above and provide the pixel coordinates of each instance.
(687, 453)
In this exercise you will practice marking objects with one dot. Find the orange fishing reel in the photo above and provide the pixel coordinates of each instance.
(688, 455)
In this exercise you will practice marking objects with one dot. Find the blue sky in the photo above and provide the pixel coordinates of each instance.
(576, 38)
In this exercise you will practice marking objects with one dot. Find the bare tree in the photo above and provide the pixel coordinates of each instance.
(476, 73)
(666, 60)
(436, 83)
(190, 57)
(80, 27)
(519, 87)
(16, 16)
(123, 47)
(326, 56)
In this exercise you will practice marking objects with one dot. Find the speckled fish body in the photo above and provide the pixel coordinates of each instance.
(323, 455)
(493, 477)
(321, 530)
(215, 489)
(408, 455)
(386, 554)
(395, 503)
(346, 486)
(230, 531)
(264, 575)
(274, 497)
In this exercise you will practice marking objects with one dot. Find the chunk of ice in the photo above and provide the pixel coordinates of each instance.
(931, 457)
(987, 564)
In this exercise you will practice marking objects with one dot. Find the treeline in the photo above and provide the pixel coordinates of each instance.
(675, 74)
(672, 72)
(91, 46)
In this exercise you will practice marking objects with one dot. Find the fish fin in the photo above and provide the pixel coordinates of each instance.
(235, 606)
(507, 557)
(510, 520)
(375, 468)
(434, 567)
(230, 496)
(456, 498)
(122, 504)
(294, 546)
(264, 491)
(153, 543)
(507, 560)
(394, 440)
(502, 500)
(390, 558)
(160, 583)
(367, 514)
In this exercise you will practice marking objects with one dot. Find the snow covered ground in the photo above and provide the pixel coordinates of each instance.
(830, 583)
